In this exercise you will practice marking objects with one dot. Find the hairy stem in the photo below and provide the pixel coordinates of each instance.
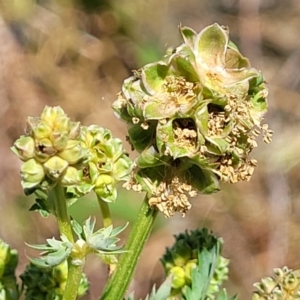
(118, 283)
(73, 281)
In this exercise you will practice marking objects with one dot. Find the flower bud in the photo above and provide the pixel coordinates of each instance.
(179, 261)
(32, 173)
(48, 283)
(40, 130)
(178, 277)
(107, 163)
(24, 147)
(55, 167)
(73, 152)
(53, 143)
(71, 177)
(8, 264)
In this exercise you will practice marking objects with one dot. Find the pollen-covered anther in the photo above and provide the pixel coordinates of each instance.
(240, 172)
(135, 120)
(185, 135)
(217, 122)
(163, 121)
(172, 197)
(267, 133)
(252, 142)
(145, 125)
(203, 149)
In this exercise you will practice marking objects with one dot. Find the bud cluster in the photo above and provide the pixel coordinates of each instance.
(8, 263)
(195, 116)
(48, 283)
(182, 258)
(55, 149)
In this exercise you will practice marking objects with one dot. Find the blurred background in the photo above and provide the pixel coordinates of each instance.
(76, 54)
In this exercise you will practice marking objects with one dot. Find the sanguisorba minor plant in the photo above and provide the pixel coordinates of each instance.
(194, 117)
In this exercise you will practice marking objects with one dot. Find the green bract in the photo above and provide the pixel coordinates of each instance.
(194, 117)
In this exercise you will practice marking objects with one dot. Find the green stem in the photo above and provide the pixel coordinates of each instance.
(106, 216)
(57, 196)
(118, 283)
(73, 281)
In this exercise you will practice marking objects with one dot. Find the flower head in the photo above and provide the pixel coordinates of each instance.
(55, 149)
(48, 283)
(284, 285)
(194, 116)
(108, 163)
(182, 258)
(51, 150)
(8, 264)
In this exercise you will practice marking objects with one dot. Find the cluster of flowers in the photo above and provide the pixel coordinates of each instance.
(55, 149)
(194, 116)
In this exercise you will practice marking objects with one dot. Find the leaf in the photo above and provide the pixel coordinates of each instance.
(77, 228)
(202, 274)
(163, 292)
(223, 296)
(54, 252)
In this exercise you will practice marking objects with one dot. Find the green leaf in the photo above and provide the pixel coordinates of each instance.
(77, 228)
(104, 240)
(163, 292)
(54, 252)
(223, 296)
(202, 275)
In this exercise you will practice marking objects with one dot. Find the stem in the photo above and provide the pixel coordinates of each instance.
(105, 212)
(73, 281)
(57, 195)
(118, 283)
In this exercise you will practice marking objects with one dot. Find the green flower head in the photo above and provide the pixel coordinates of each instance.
(48, 283)
(108, 163)
(8, 263)
(51, 150)
(179, 261)
(194, 116)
